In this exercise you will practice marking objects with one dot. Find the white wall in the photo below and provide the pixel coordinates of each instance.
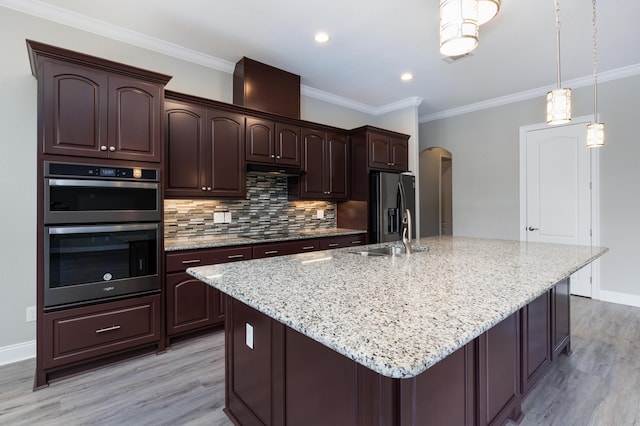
(19, 146)
(486, 174)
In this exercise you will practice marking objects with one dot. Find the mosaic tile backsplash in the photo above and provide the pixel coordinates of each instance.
(266, 209)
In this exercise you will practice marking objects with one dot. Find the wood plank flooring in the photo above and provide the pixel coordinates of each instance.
(599, 384)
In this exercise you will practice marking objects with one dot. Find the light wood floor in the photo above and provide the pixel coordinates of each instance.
(599, 384)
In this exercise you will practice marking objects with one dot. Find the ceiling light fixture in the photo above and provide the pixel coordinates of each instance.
(558, 100)
(458, 27)
(487, 10)
(406, 76)
(321, 37)
(595, 130)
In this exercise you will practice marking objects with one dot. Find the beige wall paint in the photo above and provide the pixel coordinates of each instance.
(486, 174)
(19, 146)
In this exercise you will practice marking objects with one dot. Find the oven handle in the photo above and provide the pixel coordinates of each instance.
(101, 183)
(60, 230)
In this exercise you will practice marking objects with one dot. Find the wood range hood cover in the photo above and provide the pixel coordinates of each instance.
(265, 88)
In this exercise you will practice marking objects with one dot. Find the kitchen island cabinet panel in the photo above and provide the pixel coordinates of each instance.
(499, 373)
(536, 340)
(561, 318)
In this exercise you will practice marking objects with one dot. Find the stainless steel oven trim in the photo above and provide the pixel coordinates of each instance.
(61, 230)
(101, 183)
(149, 283)
(75, 217)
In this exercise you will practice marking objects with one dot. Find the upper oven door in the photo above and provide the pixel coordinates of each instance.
(69, 201)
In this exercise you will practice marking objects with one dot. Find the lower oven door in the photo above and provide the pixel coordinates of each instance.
(90, 263)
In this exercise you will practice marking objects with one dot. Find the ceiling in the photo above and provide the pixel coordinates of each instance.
(373, 42)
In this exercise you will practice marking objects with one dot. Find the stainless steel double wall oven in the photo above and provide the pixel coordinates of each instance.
(102, 233)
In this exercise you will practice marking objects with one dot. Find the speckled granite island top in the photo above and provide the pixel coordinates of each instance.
(214, 241)
(399, 315)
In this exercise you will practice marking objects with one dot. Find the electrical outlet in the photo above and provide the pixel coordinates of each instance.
(320, 214)
(218, 217)
(31, 313)
(227, 217)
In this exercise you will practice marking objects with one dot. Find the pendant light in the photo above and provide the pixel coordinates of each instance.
(487, 10)
(458, 27)
(558, 100)
(595, 130)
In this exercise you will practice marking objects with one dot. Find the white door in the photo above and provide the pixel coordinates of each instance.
(558, 192)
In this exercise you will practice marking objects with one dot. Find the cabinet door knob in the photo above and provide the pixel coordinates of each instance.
(277, 156)
(103, 148)
(273, 156)
(112, 148)
(204, 188)
(208, 188)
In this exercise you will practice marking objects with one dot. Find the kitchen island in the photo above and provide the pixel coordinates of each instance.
(456, 333)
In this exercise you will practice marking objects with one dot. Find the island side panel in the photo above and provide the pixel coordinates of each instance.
(561, 318)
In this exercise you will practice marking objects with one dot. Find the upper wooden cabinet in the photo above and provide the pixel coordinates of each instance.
(325, 161)
(272, 143)
(387, 152)
(90, 107)
(205, 152)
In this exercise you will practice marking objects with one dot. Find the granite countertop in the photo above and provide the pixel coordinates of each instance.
(399, 315)
(200, 242)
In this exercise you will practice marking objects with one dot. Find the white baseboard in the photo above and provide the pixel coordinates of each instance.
(19, 352)
(620, 298)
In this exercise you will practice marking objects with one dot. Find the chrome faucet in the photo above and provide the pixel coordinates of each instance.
(406, 228)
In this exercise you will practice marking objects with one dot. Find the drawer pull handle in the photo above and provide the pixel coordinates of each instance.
(271, 252)
(104, 330)
(334, 245)
(308, 247)
(235, 256)
(356, 242)
(188, 262)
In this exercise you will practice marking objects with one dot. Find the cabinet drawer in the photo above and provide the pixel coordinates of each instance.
(342, 241)
(77, 334)
(281, 249)
(180, 261)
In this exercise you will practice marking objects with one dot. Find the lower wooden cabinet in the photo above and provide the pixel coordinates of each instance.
(284, 248)
(560, 318)
(191, 304)
(329, 243)
(80, 334)
(536, 340)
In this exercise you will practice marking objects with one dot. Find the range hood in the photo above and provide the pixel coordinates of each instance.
(273, 170)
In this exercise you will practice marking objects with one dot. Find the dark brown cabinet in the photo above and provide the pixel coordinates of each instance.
(329, 243)
(191, 304)
(387, 152)
(326, 162)
(272, 143)
(284, 248)
(536, 340)
(76, 335)
(560, 318)
(205, 152)
(89, 112)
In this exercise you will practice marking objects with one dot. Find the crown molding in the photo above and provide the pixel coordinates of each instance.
(359, 106)
(95, 26)
(605, 76)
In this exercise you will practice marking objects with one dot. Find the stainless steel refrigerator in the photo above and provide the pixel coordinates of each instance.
(391, 194)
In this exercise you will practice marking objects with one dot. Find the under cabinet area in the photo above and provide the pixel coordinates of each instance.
(191, 304)
(95, 108)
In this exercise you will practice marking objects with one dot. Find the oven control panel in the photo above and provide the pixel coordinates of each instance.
(101, 172)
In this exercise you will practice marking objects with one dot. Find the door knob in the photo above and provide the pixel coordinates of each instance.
(531, 228)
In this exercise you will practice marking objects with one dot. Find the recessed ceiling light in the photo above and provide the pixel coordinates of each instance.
(321, 37)
(406, 76)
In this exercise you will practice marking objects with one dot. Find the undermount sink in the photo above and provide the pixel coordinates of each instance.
(388, 251)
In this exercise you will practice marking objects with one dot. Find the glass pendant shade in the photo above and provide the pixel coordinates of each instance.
(458, 27)
(559, 106)
(595, 135)
(487, 10)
